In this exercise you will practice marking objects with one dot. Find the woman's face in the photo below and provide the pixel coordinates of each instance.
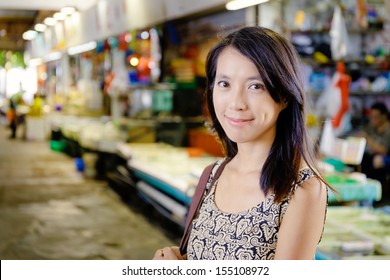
(377, 119)
(242, 103)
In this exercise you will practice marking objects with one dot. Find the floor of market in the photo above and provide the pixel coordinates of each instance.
(48, 210)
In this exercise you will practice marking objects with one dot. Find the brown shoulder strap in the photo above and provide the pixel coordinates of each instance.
(197, 200)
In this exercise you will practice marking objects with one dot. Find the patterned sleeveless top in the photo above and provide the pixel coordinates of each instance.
(248, 235)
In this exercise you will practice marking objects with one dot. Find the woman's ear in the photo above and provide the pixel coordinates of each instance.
(284, 104)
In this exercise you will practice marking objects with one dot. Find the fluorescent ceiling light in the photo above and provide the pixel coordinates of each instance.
(50, 21)
(59, 16)
(82, 48)
(35, 62)
(40, 27)
(68, 10)
(52, 56)
(240, 4)
(29, 35)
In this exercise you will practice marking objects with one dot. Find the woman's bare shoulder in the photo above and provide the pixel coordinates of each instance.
(312, 190)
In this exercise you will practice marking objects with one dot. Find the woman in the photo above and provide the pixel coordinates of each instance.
(377, 135)
(269, 201)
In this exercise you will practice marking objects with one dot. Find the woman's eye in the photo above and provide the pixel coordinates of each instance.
(223, 84)
(257, 87)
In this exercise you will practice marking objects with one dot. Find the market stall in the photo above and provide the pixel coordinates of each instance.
(355, 233)
(173, 173)
(166, 176)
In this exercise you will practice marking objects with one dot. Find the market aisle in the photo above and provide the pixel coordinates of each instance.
(49, 211)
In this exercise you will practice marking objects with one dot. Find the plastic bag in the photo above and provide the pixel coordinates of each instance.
(339, 43)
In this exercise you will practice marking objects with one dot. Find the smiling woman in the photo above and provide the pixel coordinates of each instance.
(266, 199)
(242, 103)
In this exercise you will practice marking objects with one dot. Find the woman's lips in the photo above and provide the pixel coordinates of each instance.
(238, 121)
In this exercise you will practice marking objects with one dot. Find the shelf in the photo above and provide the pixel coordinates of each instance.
(353, 93)
(361, 62)
(326, 31)
(369, 93)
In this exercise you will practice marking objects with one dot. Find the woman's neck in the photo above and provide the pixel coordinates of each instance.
(250, 158)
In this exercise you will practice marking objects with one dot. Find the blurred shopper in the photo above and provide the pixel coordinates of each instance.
(11, 118)
(269, 201)
(377, 134)
(382, 162)
(17, 114)
(36, 108)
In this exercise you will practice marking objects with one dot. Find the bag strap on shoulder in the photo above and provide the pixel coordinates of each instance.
(197, 200)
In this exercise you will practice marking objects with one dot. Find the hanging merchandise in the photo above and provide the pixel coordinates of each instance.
(339, 39)
(118, 85)
(327, 139)
(3, 59)
(122, 42)
(144, 60)
(113, 42)
(333, 102)
(100, 47)
(361, 14)
(342, 82)
(183, 70)
(155, 55)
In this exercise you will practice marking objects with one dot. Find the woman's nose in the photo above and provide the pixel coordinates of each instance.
(238, 101)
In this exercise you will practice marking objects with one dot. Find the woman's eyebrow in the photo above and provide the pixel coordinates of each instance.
(222, 76)
(255, 78)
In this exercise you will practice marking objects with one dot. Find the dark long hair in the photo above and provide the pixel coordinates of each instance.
(278, 65)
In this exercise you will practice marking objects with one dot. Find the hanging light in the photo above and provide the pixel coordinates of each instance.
(59, 16)
(68, 10)
(40, 27)
(49, 21)
(29, 35)
(82, 48)
(52, 56)
(134, 61)
(145, 35)
(240, 4)
(35, 62)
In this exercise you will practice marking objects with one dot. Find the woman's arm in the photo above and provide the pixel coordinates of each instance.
(375, 147)
(303, 222)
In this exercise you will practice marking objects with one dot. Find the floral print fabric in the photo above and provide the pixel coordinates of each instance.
(248, 235)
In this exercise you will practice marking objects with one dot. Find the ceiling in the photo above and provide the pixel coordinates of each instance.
(18, 16)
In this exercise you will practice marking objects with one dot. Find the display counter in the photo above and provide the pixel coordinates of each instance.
(355, 233)
(348, 189)
(169, 174)
(174, 172)
(101, 134)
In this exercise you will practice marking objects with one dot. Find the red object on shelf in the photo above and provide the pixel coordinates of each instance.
(202, 138)
(343, 83)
